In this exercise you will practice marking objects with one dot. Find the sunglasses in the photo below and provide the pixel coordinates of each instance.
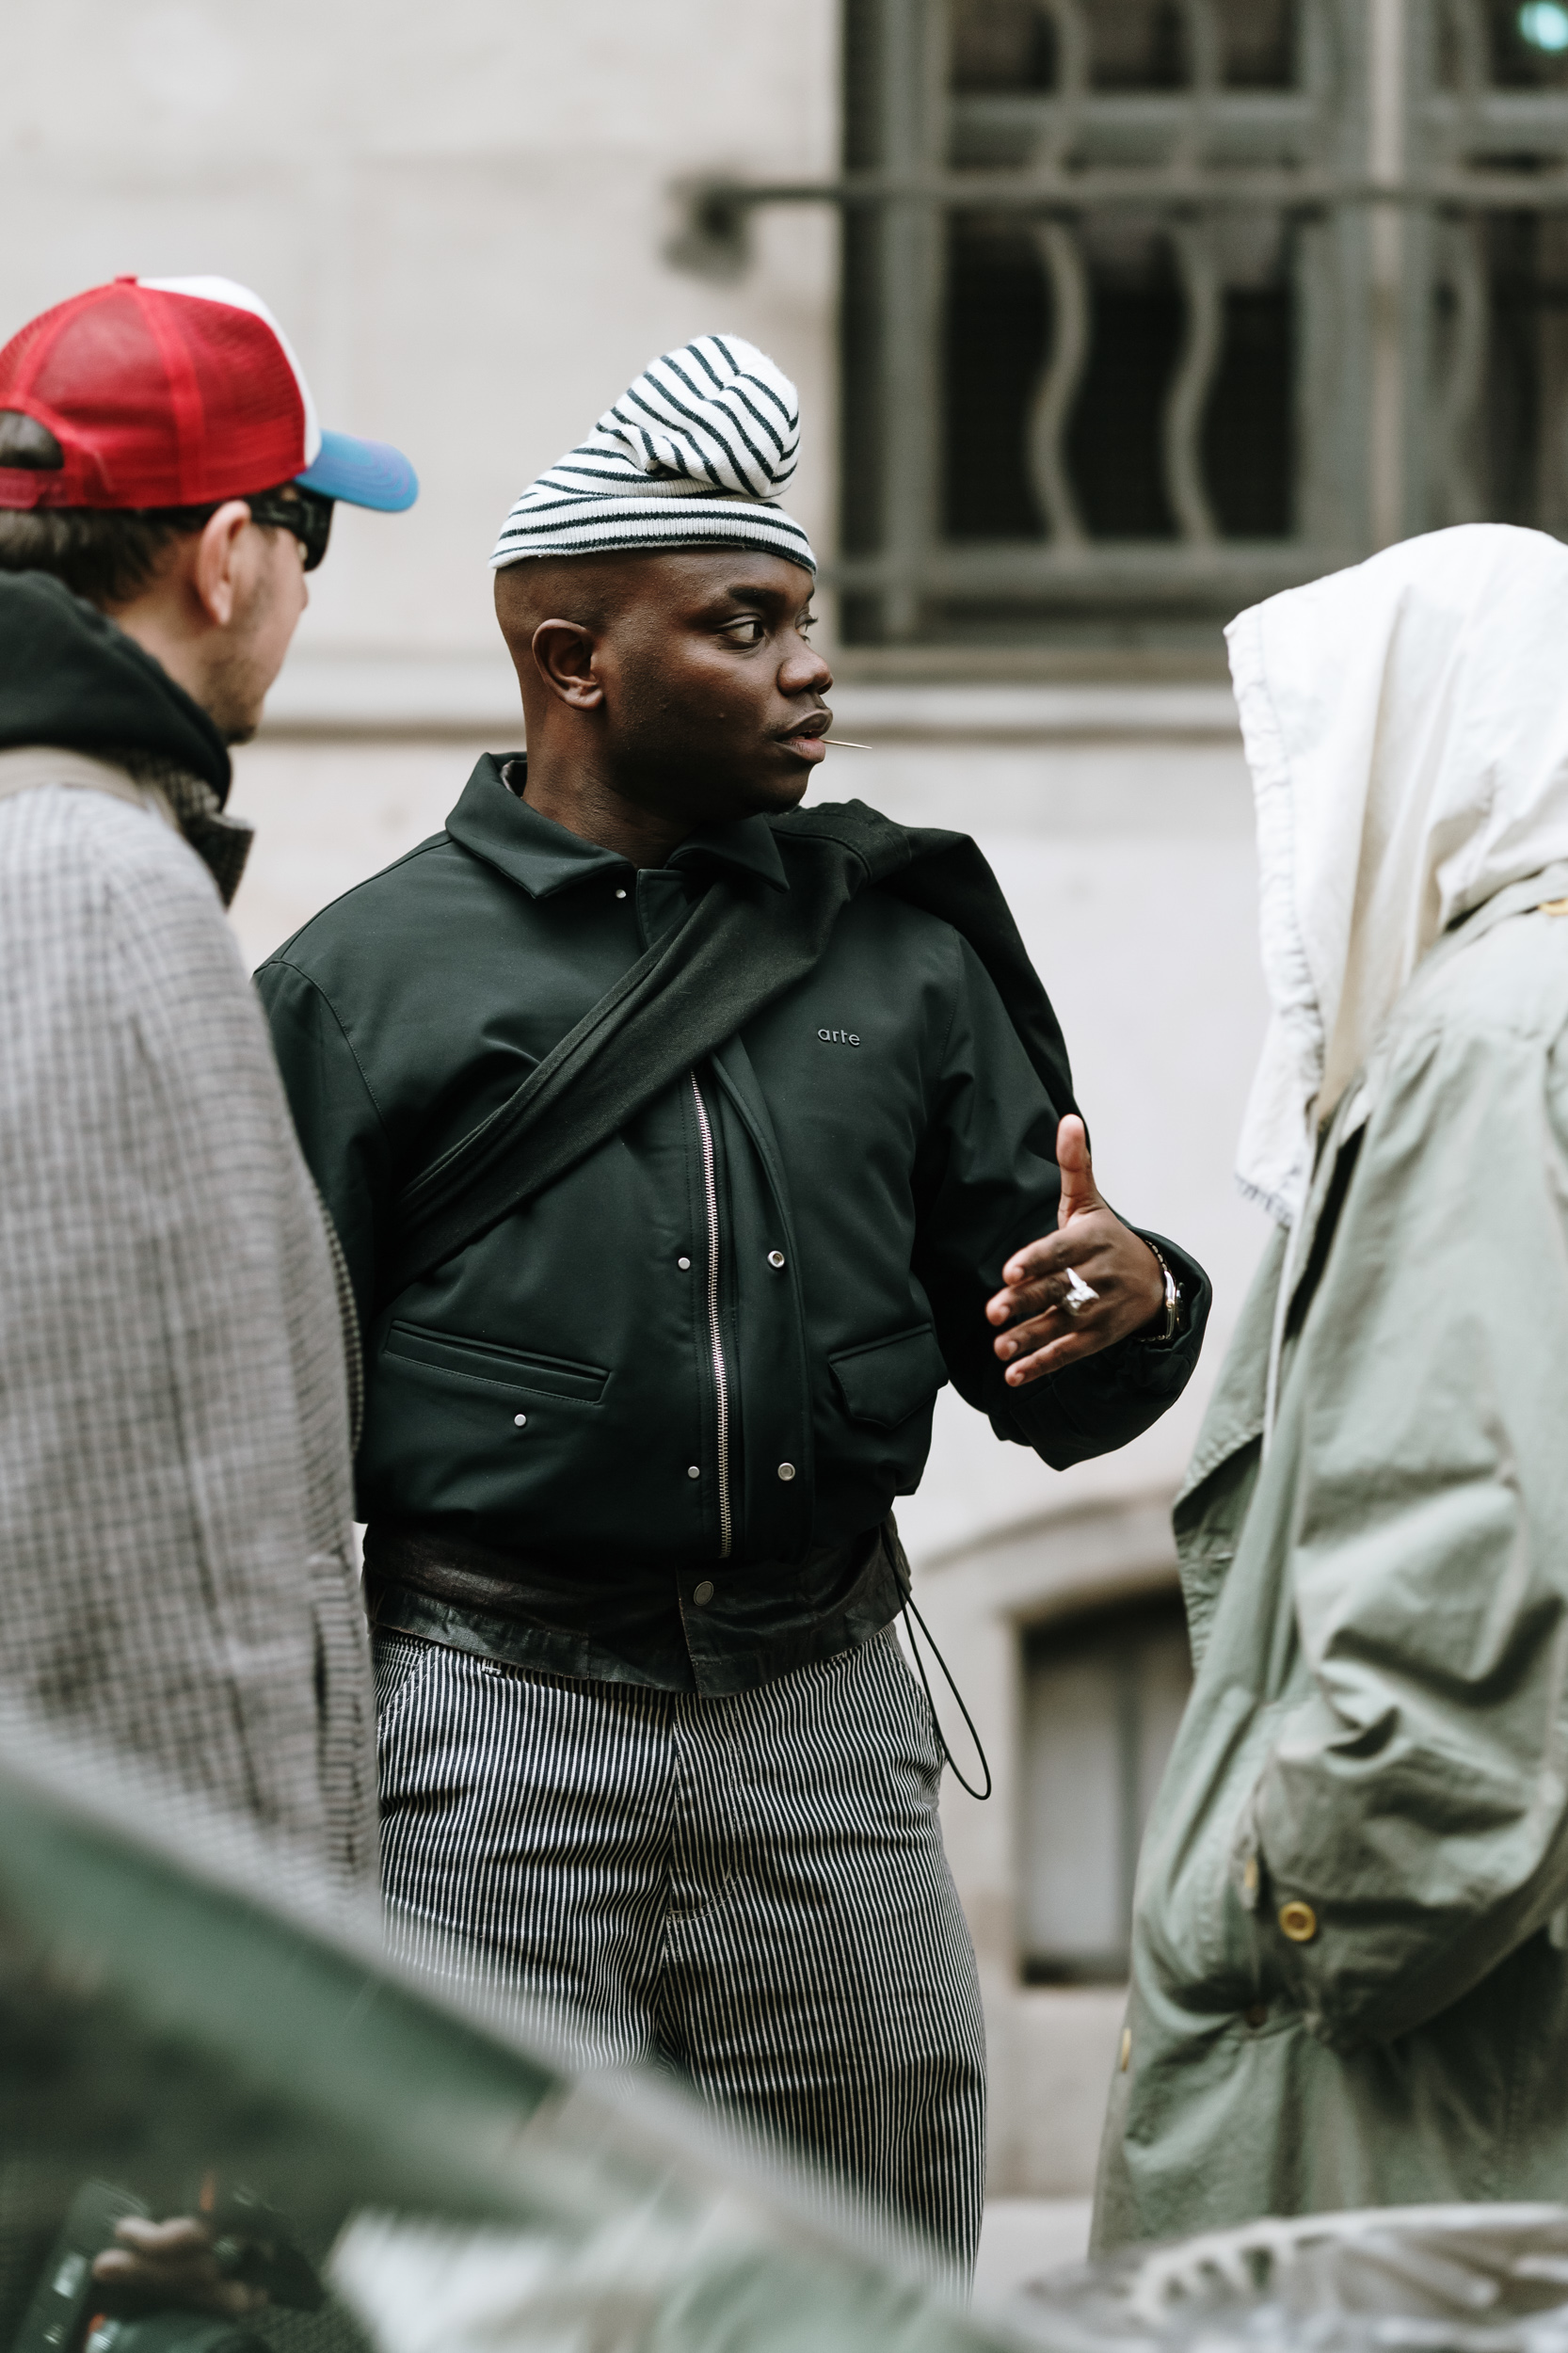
(304, 512)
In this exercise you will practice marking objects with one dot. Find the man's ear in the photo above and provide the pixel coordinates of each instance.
(565, 654)
(216, 570)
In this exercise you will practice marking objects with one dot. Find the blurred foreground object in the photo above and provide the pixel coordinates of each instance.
(1463, 2279)
(1397, 2280)
(160, 2011)
(151, 2005)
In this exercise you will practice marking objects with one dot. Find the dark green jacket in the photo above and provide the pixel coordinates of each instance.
(585, 1392)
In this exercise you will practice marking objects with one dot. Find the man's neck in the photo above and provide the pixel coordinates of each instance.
(159, 627)
(586, 804)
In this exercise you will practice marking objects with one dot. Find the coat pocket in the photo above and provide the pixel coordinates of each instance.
(497, 1368)
(885, 1380)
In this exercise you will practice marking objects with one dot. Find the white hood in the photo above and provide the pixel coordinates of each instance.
(1406, 725)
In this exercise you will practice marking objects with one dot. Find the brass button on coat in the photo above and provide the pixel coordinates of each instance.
(1299, 1922)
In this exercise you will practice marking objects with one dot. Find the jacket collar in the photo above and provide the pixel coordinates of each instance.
(543, 858)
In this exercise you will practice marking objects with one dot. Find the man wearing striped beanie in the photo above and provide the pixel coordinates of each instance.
(683, 1143)
(693, 455)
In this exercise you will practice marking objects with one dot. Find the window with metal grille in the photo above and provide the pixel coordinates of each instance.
(1153, 306)
(1103, 1696)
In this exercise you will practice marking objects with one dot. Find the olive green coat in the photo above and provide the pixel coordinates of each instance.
(1377, 1744)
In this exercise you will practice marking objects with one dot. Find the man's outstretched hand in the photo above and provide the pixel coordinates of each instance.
(1110, 1258)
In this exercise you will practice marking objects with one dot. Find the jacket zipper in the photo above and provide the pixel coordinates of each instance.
(715, 1340)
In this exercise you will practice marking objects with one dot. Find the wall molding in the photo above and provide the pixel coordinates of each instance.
(323, 697)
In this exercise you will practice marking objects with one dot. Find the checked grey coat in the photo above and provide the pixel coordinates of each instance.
(175, 1577)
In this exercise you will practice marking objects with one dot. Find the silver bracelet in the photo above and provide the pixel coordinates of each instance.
(1172, 1301)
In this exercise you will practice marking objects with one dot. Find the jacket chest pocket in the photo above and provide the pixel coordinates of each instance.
(884, 1381)
(510, 1369)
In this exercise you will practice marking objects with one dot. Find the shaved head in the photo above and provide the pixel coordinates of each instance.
(587, 589)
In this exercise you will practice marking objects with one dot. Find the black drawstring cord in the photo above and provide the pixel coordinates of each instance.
(935, 1720)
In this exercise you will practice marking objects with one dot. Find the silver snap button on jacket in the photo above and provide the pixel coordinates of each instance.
(786, 1470)
(684, 1264)
(521, 1420)
(694, 1470)
(702, 1594)
(776, 1257)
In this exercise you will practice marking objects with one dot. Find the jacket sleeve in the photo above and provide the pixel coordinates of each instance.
(986, 1183)
(1413, 1807)
(336, 1117)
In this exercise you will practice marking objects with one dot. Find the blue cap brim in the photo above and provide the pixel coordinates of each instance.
(365, 473)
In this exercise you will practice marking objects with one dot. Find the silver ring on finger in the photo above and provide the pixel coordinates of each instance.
(1079, 1294)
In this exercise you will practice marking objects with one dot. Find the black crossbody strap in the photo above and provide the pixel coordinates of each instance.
(739, 947)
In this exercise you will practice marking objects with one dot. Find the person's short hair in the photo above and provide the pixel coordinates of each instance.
(107, 555)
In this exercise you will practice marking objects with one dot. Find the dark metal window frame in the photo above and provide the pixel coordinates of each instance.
(1120, 1634)
(1387, 193)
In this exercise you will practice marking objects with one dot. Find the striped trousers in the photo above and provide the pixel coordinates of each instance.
(749, 1890)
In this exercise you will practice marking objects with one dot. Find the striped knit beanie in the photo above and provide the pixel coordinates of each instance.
(693, 454)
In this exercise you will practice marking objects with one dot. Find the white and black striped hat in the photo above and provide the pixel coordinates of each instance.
(693, 454)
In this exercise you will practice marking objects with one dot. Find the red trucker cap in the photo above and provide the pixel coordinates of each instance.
(175, 391)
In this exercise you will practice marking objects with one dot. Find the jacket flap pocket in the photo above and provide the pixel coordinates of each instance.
(498, 1368)
(889, 1380)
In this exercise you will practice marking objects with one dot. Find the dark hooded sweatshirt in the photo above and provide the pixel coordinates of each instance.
(69, 677)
